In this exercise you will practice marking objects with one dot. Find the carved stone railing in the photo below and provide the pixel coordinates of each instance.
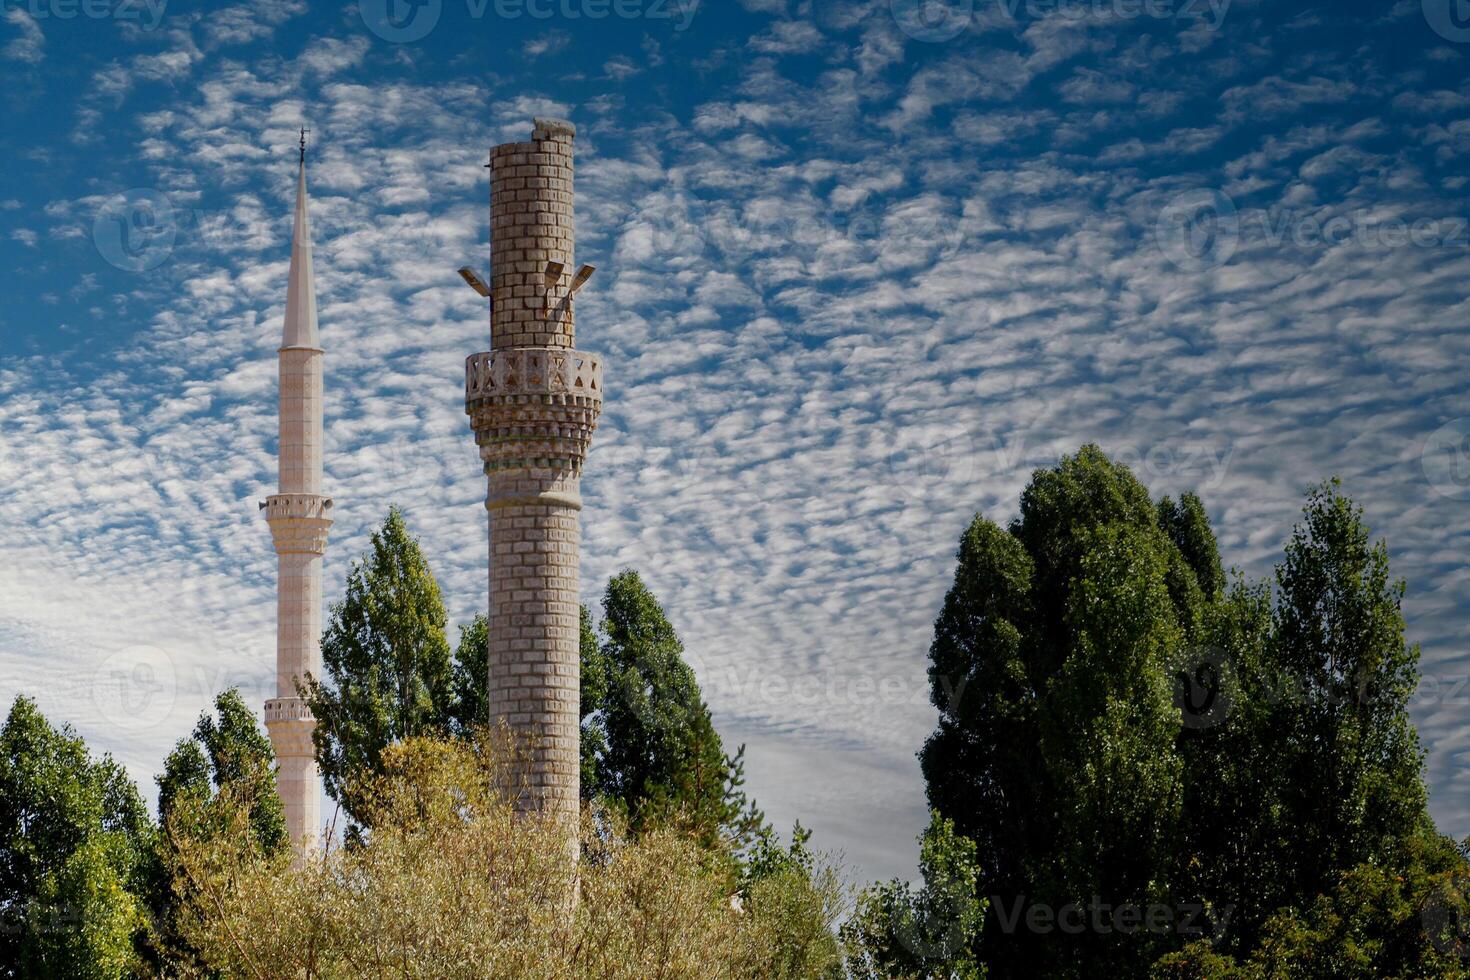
(540, 371)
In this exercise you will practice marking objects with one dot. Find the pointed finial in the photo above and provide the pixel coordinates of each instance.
(304, 131)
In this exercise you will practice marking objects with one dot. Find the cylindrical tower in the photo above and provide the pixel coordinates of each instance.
(533, 401)
(299, 521)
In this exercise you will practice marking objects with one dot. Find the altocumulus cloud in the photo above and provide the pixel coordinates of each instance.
(851, 290)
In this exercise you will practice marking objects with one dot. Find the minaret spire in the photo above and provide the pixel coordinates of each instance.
(299, 521)
(300, 329)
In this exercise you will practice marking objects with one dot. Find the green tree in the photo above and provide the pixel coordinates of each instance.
(227, 754)
(1374, 922)
(655, 751)
(593, 696)
(1052, 668)
(1355, 793)
(226, 749)
(1119, 724)
(927, 934)
(472, 676)
(797, 897)
(75, 846)
(1188, 526)
(386, 662)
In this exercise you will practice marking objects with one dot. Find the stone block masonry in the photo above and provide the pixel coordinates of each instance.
(531, 225)
(533, 402)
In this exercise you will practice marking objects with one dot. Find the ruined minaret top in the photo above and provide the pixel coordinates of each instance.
(532, 237)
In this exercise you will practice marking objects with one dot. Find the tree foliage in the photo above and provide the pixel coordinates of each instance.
(451, 874)
(75, 851)
(225, 749)
(386, 663)
(226, 761)
(652, 749)
(924, 934)
(1119, 726)
(471, 704)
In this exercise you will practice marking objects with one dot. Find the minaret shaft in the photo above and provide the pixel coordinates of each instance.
(299, 521)
(533, 401)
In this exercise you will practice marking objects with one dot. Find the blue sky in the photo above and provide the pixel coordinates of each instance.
(862, 267)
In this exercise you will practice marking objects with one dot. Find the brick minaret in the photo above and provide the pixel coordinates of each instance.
(533, 401)
(299, 521)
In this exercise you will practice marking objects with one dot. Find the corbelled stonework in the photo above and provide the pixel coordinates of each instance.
(533, 402)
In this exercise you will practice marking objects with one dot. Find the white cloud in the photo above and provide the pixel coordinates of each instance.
(549, 43)
(29, 44)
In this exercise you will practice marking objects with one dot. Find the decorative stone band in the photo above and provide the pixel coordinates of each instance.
(299, 522)
(533, 371)
(533, 408)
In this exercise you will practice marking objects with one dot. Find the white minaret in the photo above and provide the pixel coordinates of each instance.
(299, 522)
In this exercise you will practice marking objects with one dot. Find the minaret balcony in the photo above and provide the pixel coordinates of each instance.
(533, 407)
(299, 522)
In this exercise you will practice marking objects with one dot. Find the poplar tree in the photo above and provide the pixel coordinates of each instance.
(387, 674)
(1119, 726)
(226, 750)
(654, 751)
(226, 764)
(472, 677)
